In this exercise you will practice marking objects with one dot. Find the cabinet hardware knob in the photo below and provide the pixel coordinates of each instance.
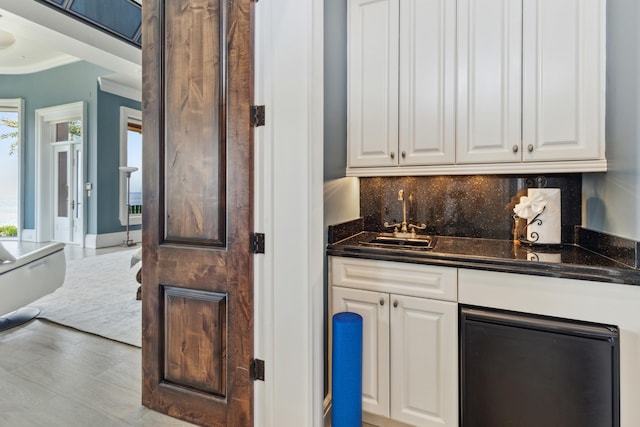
(395, 303)
(530, 148)
(404, 154)
(381, 301)
(393, 155)
(515, 148)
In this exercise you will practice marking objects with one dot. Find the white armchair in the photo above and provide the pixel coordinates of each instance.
(26, 278)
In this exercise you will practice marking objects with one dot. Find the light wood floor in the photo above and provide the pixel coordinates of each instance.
(54, 376)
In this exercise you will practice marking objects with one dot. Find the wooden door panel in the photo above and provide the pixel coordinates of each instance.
(194, 144)
(197, 290)
(195, 339)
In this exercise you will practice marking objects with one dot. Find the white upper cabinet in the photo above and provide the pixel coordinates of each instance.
(489, 81)
(563, 79)
(373, 82)
(442, 87)
(401, 82)
(427, 82)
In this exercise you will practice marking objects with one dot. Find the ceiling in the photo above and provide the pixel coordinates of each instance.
(20, 55)
(48, 39)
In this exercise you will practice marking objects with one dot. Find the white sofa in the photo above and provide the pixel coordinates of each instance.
(27, 277)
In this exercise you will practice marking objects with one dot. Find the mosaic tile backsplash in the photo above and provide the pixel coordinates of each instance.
(464, 206)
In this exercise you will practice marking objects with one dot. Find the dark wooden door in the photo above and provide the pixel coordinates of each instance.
(197, 290)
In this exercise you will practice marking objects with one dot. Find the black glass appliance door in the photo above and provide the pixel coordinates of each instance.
(523, 370)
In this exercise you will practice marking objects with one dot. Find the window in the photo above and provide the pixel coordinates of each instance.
(10, 171)
(121, 18)
(131, 155)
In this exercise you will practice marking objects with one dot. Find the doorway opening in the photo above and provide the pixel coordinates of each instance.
(60, 173)
(11, 137)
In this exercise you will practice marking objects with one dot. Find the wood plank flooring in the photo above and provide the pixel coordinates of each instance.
(53, 376)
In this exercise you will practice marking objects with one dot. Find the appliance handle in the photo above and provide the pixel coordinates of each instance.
(535, 322)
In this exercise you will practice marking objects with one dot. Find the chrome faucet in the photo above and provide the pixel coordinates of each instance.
(404, 227)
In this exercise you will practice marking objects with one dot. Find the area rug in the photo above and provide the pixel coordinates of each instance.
(98, 296)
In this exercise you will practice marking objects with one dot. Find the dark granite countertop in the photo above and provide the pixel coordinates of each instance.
(569, 261)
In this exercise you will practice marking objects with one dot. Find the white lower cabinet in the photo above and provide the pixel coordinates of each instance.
(410, 345)
(374, 309)
(424, 361)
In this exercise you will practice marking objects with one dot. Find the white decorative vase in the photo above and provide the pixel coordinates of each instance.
(547, 226)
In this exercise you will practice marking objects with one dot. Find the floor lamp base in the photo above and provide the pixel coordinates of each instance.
(128, 243)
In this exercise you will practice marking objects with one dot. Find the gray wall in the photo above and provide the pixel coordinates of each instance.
(341, 195)
(62, 85)
(612, 199)
(335, 89)
(105, 159)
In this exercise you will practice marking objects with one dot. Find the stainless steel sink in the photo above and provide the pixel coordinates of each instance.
(388, 240)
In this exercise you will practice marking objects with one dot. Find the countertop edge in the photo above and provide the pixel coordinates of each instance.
(589, 273)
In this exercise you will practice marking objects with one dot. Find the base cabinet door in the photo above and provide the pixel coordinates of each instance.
(409, 360)
(424, 362)
(373, 307)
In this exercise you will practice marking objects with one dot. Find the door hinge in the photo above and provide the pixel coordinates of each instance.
(256, 370)
(257, 243)
(257, 115)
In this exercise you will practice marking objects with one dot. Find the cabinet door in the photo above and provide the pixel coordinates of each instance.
(427, 82)
(563, 78)
(424, 361)
(373, 82)
(374, 309)
(489, 81)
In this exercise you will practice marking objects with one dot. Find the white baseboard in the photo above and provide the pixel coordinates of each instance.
(96, 241)
(28, 235)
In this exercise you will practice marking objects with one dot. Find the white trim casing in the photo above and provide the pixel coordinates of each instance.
(43, 202)
(573, 166)
(110, 86)
(40, 66)
(107, 240)
(126, 115)
(289, 209)
(18, 105)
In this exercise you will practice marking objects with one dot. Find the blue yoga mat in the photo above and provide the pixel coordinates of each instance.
(346, 394)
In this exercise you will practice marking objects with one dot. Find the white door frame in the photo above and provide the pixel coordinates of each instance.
(18, 105)
(127, 115)
(288, 278)
(44, 165)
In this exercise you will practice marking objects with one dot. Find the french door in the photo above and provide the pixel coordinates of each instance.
(67, 192)
(60, 157)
